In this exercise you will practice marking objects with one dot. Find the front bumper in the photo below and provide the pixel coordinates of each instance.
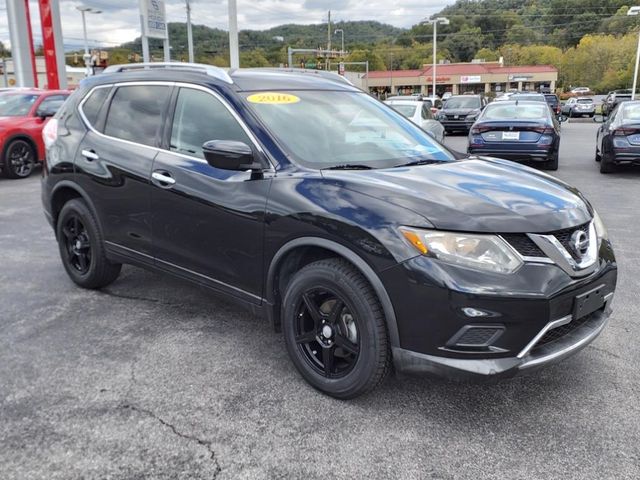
(531, 357)
(457, 125)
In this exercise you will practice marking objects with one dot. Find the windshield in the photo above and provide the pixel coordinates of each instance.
(529, 98)
(324, 129)
(405, 110)
(517, 112)
(463, 102)
(12, 105)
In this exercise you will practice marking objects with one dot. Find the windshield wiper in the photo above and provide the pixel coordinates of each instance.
(418, 162)
(349, 166)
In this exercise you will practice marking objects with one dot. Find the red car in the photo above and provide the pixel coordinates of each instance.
(23, 114)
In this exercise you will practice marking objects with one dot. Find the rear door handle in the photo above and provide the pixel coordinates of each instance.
(90, 155)
(164, 179)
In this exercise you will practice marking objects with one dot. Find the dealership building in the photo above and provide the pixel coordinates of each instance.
(459, 78)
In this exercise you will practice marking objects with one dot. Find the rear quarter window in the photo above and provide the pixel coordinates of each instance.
(92, 105)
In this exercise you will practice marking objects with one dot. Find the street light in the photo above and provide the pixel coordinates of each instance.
(435, 22)
(633, 11)
(342, 32)
(87, 55)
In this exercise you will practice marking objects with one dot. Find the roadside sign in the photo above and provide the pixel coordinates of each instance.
(154, 18)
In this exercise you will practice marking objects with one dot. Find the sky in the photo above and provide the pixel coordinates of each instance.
(120, 20)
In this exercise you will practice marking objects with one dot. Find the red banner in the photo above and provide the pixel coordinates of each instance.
(49, 44)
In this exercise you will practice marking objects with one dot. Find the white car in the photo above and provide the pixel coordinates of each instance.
(581, 90)
(419, 112)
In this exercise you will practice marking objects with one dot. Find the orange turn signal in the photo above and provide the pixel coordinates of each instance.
(414, 239)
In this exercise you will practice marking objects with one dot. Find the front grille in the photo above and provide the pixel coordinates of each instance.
(564, 237)
(559, 332)
(523, 245)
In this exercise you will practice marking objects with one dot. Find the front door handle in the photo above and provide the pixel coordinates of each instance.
(90, 155)
(163, 178)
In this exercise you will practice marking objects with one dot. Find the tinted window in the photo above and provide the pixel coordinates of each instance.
(426, 112)
(499, 111)
(52, 103)
(463, 102)
(200, 117)
(91, 107)
(135, 113)
(406, 110)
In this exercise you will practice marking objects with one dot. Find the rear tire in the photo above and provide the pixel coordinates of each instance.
(334, 329)
(606, 166)
(19, 159)
(552, 163)
(82, 247)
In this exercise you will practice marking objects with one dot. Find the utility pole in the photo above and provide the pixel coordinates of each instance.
(435, 22)
(189, 33)
(234, 53)
(327, 60)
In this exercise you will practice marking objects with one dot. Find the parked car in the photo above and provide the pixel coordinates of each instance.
(460, 112)
(23, 114)
(446, 96)
(581, 91)
(554, 102)
(419, 112)
(612, 100)
(519, 131)
(618, 138)
(579, 106)
(362, 238)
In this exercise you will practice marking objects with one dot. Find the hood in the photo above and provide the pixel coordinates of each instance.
(478, 195)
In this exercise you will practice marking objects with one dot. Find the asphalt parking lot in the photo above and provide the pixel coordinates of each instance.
(156, 378)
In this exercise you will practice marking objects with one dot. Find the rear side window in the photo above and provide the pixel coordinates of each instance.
(91, 107)
(200, 117)
(135, 113)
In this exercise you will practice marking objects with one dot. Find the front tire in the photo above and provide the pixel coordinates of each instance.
(82, 248)
(19, 159)
(334, 329)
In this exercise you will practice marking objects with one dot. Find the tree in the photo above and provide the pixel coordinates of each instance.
(254, 58)
(463, 44)
(375, 60)
(3, 51)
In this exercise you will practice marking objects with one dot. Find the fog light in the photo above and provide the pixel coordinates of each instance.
(474, 312)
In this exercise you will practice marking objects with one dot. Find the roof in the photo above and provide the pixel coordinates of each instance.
(464, 69)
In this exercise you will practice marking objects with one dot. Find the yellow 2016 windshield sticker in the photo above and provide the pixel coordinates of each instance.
(273, 98)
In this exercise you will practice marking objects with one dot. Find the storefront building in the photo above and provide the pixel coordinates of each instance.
(459, 78)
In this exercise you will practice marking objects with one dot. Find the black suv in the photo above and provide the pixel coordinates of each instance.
(350, 228)
(460, 112)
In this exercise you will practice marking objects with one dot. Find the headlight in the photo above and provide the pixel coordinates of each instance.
(472, 116)
(481, 252)
(601, 230)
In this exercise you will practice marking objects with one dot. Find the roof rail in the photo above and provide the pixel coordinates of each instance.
(322, 73)
(210, 70)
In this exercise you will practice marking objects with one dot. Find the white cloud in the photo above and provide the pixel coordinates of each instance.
(119, 21)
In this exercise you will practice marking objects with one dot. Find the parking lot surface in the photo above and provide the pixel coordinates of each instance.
(157, 378)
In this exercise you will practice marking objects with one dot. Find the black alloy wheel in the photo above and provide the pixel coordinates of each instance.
(327, 333)
(334, 329)
(78, 244)
(81, 246)
(19, 159)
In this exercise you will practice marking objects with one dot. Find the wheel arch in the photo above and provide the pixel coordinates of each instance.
(64, 191)
(301, 251)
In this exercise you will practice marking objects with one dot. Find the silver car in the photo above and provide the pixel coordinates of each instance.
(419, 112)
(577, 107)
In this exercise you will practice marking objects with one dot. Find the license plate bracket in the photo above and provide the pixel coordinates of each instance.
(510, 135)
(589, 302)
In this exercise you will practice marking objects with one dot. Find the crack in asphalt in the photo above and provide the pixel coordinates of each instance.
(193, 438)
(132, 297)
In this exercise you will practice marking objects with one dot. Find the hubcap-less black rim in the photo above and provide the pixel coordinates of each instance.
(327, 333)
(77, 243)
(21, 159)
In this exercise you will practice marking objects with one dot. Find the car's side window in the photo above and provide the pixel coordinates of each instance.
(52, 103)
(200, 117)
(426, 112)
(91, 106)
(135, 113)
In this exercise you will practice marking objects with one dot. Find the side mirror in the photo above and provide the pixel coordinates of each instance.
(562, 118)
(230, 155)
(46, 112)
